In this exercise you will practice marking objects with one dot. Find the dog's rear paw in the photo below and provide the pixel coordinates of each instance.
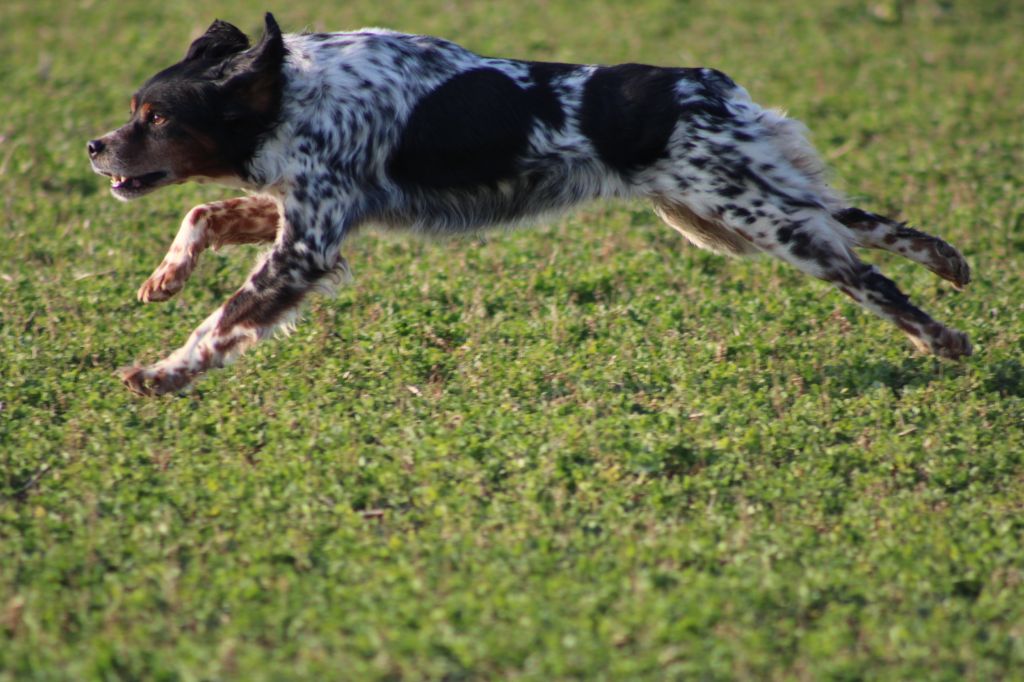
(943, 342)
(947, 263)
(953, 345)
(168, 279)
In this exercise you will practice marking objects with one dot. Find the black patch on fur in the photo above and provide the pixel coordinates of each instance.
(469, 131)
(730, 191)
(802, 246)
(856, 218)
(891, 298)
(629, 112)
(715, 80)
(545, 100)
(706, 106)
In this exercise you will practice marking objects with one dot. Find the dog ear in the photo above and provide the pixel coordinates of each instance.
(220, 40)
(254, 78)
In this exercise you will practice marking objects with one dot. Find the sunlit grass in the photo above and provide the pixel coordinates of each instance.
(574, 451)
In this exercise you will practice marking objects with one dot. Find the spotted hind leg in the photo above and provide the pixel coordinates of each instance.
(878, 232)
(812, 243)
(879, 294)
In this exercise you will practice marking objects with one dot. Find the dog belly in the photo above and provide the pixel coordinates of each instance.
(506, 202)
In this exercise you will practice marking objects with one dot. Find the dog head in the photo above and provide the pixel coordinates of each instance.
(201, 118)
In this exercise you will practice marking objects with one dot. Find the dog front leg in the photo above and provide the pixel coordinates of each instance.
(270, 297)
(245, 220)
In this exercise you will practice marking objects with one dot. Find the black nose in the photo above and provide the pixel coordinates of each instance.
(95, 147)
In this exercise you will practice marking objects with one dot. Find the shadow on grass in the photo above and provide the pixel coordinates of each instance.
(1006, 378)
(912, 372)
(677, 461)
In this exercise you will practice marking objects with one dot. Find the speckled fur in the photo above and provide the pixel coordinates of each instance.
(411, 132)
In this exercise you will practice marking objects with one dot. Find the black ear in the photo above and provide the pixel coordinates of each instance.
(268, 53)
(254, 77)
(220, 40)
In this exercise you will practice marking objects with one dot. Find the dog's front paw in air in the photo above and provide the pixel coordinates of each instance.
(166, 281)
(153, 381)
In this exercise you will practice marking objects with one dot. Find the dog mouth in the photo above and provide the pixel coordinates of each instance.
(129, 187)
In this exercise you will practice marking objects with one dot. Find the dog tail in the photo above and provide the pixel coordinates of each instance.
(790, 137)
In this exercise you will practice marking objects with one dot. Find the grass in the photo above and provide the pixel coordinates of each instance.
(578, 451)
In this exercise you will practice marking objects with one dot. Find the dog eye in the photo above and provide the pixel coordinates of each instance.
(156, 119)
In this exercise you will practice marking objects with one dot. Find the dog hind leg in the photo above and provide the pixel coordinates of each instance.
(878, 232)
(869, 230)
(809, 240)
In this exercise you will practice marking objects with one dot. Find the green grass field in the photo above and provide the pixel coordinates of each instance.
(583, 450)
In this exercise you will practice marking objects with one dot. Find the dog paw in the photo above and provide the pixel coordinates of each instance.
(953, 345)
(947, 263)
(153, 381)
(167, 280)
(943, 342)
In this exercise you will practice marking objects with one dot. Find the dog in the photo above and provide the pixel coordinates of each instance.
(328, 132)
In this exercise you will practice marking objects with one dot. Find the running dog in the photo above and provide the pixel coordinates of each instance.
(331, 131)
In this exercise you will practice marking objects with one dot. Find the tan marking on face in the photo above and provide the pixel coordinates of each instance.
(133, 105)
(195, 154)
